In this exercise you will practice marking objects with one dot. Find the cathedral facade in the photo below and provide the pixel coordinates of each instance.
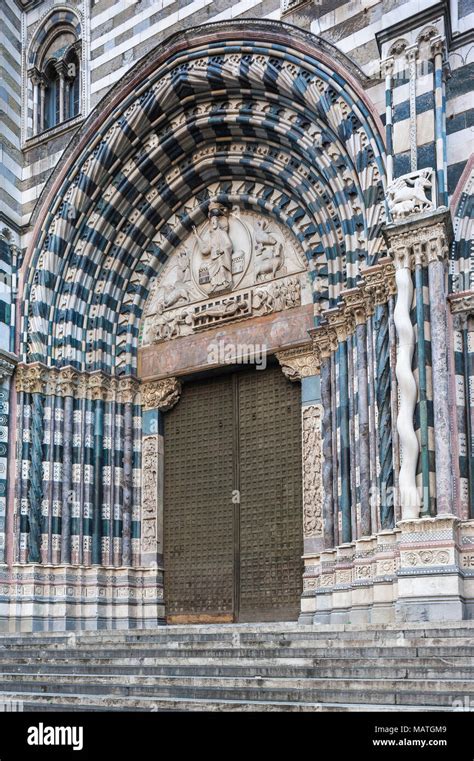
(237, 312)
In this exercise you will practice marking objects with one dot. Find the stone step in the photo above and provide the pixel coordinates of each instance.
(231, 633)
(248, 667)
(371, 691)
(337, 670)
(272, 682)
(314, 636)
(372, 652)
(57, 702)
(241, 642)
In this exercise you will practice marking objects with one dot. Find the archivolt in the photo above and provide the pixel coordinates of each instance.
(247, 121)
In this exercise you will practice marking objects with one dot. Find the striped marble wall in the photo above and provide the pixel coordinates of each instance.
(10, 116)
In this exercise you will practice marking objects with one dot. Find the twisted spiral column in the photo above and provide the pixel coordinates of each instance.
(409, 496)
(384, 428)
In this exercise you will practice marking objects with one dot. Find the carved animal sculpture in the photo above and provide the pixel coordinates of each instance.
(270, 262)
(404, 197)
(175, 293)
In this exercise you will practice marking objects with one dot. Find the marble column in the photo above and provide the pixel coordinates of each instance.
(356, 302)
(35, 78)
(411, 55)
(61, 68)
(438, 45)
(42, 86)
(387, 73)
(67, 389)
(409, 495)
(422, 238)
(437, 259)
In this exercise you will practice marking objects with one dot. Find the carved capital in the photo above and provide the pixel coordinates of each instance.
(401, 257)
(35, 75)
(357, 304)
(31, 379)
(324, 340)
(61, 67)
(438, 45)
(378, 281)
(420, 241)
(341, 321)
(437, 249)
(299, 363)
(386, 66)
(99, 387)
(411, 53)
(127, 389)
(161, 394)
(66, 382)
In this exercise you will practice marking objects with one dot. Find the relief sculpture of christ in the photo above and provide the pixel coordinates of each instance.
(219, 247)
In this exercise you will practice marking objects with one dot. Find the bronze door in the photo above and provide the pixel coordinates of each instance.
(230, 438)
(271, 523)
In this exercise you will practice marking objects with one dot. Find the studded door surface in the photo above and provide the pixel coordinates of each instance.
(271, 523)
(198, 514)
(224, 561)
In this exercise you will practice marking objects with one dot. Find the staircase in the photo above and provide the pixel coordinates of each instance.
(246, 667)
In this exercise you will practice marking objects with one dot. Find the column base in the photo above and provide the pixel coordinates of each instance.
(77, 598)
(422, 570)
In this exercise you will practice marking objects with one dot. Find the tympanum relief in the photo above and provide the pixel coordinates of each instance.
(236, 265)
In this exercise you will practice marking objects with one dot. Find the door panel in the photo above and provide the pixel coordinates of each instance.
(271, 529)
(198, 520)
(238, 433)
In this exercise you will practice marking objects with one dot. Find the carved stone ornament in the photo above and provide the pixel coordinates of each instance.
(462, 303)
(379, 281)
(67, 381)
(341, 320)
(161, 394)
(8, 363)
(357, 303)
(299, 363)
(30, 379)
(312, 471)
(236, 265)
(149, 493)
(324, 341)
(407, 194)
(420, 241)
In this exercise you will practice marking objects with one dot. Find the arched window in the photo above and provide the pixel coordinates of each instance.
(55, 75)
